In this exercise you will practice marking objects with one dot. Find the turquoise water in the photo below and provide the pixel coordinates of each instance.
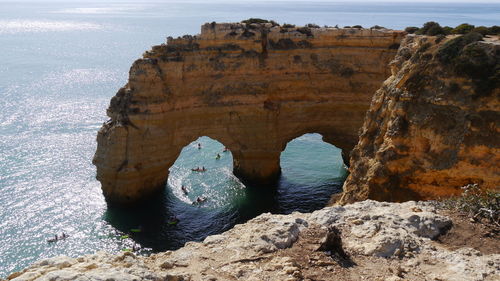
(60, 65)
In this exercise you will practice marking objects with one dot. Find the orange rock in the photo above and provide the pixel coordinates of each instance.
(433, 126)
(251, 87)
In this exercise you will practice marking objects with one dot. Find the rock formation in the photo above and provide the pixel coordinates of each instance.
(434, 125)
(253, 87)
(366, 240)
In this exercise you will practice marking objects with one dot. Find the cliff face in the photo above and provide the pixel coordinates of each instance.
(433, 126)
(253, 87)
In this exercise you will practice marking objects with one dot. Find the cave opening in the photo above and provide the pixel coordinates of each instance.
(311, 171)
(204, 169)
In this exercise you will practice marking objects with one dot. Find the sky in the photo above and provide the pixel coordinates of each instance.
(372, 1)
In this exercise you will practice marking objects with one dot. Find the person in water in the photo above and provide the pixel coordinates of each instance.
(199, 200)
(184, 189)
(217, 157)
(199, 145)
(225, 149)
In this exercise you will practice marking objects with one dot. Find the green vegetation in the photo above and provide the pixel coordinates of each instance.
(468, 57)
(287, 25)
(430, 28)
(479, 205)
(312, 25)
(433, 28)
(377, 27)
(463, 28)
(451, 49)
(411, 29)
(357, 26)
(254, 20)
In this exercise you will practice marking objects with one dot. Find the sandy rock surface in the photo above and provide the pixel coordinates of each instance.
(369, 239)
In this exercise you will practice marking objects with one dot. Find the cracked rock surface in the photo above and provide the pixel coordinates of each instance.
(368, 239)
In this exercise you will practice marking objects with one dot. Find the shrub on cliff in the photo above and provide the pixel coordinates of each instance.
(467, 57)
(287, 25)
(431, 28)
(312, 25)
(463, 28)
(494, 30)
(478, 204)
(482, 30)
(305, 30)
(254, 20)
(411, 29)
(451, 49)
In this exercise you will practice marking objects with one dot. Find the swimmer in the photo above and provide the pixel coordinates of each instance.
(217, 157)
(184, 189)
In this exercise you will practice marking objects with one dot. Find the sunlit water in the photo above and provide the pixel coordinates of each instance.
(60, 65)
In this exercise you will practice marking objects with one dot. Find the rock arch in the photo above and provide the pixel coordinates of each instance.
(253, 87)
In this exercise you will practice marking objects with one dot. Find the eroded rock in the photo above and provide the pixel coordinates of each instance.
(388, 240)
(433, 126)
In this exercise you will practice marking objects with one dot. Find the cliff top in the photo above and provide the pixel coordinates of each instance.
(248, 30)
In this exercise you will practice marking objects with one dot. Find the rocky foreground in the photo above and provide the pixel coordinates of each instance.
(367, 240)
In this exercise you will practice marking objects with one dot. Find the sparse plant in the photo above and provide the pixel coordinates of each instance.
(357, 26)
(478, 204)
(287, 25)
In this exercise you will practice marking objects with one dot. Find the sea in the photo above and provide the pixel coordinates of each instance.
(60, 64)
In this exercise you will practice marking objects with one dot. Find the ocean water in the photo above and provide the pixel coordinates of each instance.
(61, 62)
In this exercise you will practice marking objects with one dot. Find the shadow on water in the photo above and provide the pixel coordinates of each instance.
(159, 232)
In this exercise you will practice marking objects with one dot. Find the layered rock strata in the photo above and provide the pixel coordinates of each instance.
(366, 240)
(434, 125)
(253, 87)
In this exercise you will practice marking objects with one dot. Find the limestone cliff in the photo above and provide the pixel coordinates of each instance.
(253, 87)
(434, 125)
(364, 241)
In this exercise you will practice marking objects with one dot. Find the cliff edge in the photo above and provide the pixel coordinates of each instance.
(369, 239)
(434, 125)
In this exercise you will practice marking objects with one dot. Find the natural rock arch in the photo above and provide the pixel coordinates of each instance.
(253, 87)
